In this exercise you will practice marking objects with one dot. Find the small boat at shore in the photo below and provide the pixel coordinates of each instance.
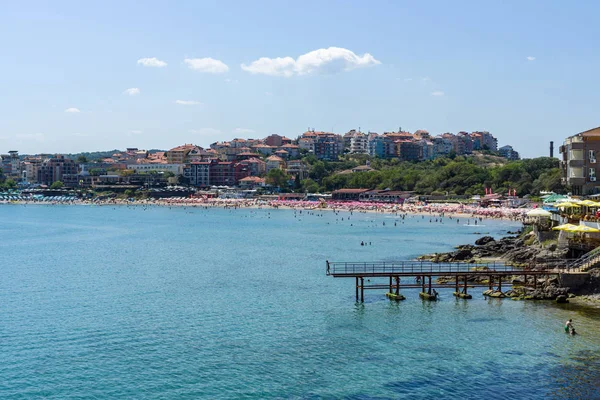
(394, 296)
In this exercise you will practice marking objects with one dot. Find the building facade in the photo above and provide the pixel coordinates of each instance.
(579, 162)
(52, 170)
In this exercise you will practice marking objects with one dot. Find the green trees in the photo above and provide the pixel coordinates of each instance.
(459, 175)
(57, 185)
(277, 177)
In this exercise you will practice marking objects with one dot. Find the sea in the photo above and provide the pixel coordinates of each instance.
(103, 302)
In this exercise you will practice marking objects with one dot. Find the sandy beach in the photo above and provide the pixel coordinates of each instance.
(431, 210)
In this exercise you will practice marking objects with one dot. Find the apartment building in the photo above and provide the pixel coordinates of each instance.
(579, 161)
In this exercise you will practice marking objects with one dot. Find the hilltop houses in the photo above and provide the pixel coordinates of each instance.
(229, 163)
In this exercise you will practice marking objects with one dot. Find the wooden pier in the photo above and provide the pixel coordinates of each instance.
(420, 274)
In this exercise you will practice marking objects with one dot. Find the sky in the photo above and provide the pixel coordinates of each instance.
(101, 75)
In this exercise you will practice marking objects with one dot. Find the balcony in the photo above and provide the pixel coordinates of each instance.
(577, 181)
(576, 163)
(577, 145)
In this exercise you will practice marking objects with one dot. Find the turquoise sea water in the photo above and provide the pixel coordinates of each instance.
(103, 302)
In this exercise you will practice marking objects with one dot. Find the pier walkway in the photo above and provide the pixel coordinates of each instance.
(458, 275)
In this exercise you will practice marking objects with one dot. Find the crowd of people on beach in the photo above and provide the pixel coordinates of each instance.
(431, 209)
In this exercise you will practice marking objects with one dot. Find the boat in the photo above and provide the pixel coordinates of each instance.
(394, 296)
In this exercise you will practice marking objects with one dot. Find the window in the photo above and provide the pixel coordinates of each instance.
(592, 174)
(592, 156)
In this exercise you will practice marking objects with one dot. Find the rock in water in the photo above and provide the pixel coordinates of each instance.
(561, 299)
(484, 240)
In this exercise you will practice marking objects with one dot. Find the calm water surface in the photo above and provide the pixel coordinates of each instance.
(103, 302)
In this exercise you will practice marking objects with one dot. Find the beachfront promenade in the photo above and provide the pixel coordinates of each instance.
(458, 275)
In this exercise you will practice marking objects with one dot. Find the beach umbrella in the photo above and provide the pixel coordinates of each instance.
(567, 205)
(539, 212)
(582, 229)
(563, 227)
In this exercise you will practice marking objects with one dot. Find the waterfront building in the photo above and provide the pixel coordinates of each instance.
(251, 182)
(53, 169)
(579, 161)
(30, 168)
(198, 173)
(347, 194)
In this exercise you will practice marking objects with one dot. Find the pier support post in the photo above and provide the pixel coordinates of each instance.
(491, 282)
(390, 284)
(456, 286)
(535, 282)
(357, 289)
(397, 285)
(362, 289)
(429, 286)
(465, 285)
(500, 283)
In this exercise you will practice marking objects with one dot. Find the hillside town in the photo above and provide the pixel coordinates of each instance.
(242, 163)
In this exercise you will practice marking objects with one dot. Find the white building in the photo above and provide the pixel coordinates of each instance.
(177, 169)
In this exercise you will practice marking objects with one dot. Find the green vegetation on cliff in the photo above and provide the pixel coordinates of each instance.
(456, 176)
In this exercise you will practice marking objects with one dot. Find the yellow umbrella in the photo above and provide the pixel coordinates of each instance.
(583, 229)
(563, 227)
(589, 203)
(567, 205)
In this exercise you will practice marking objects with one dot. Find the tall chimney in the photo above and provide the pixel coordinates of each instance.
(551, 149)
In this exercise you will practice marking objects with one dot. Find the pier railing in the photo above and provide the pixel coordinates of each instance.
(414, 267)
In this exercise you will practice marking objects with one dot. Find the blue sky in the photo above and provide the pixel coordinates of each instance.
(524, 70)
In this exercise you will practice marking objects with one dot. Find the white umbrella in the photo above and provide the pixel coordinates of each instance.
(539, 212)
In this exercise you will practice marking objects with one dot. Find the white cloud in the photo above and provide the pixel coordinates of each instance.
(330, 60)
(437, 93)
(187, 102)
(135, 132)
(151, 62)
(243, 130)
(231, 81)
(132, 91)
(80, 134)
(72, 110)
(530, 58)
(426, 79)
(408, 79)
(268, 93)
(205, 131)
(209, 65)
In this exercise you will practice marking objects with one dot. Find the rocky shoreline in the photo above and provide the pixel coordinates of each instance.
(521, 249)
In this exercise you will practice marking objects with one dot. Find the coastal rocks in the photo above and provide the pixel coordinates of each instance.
(484, 240)
(561, 299)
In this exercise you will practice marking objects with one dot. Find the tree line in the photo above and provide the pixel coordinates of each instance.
(462, 175)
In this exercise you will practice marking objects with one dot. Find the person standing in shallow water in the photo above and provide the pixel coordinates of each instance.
(568, 325)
